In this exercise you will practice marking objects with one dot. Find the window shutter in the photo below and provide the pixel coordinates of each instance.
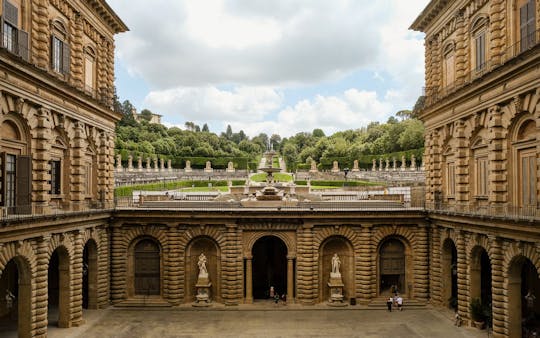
(65, 57)
(2, 177)
(531, 24)
(23, 189)
(23, 45)
(11, 13)
(523, 27)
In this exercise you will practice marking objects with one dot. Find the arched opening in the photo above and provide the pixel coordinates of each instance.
(15, 299)
(523, 295)
(480, 275)
(449, 274)
(147, 268)
(59, 288)
(206, 246)
(392, 267)
(269, 267)
(90, 275)
(341, 247)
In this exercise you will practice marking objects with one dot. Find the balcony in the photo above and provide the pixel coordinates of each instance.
(435, 94)
(35, 212)
(502, 212)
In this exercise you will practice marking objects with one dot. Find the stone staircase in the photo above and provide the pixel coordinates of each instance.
(380, 304)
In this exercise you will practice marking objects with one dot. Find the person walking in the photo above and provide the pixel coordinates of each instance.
(400, 303)
(389, 304)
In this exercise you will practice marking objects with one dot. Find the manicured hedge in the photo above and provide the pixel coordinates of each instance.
(128, 190)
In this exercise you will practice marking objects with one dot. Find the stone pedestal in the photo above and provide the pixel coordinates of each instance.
(336, 290)
(203, 291)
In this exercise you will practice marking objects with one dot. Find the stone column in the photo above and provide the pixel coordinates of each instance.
(394, 164)
(499, 300)
(462, 163)
(148, 164)
(156, 165)
(41, 158)
(139, 163)
(42, 287)
(175, 279)
(435, 276)
(169, 165)
(463, 298)
(76, 280)
(421, 264)
(103, 294)
(162, 164)
(249, 280)
(497, 157)
(290, 279)
(77, 166)
(307, 288)
(364, 265)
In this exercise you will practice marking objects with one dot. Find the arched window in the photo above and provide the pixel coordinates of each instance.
(14, 38)
(479, 43)
(526, 19)
(60, 52)
(89, 69)
(525, 174)
(449, 62)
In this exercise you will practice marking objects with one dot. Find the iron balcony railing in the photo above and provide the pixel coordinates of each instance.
(437, 93)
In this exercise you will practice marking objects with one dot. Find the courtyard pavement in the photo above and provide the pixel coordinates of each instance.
(266, 321)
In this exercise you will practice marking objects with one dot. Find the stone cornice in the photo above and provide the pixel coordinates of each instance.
(106, 13)
(431, 11)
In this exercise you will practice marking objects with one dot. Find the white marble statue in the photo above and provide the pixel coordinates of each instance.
(202, 265)
(336, 263)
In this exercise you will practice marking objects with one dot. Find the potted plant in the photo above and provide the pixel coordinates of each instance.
(477, 313)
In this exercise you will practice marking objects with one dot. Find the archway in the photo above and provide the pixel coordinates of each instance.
(59, 288)
(341, 247)
(449, 274)
(392, 267)
(147, 268)
(269, 266)
(523, 296)
(480, 275)
(90, 276)
(15, 315)
(206, 246)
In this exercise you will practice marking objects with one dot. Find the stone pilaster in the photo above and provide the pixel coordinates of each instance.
(103, 268)
(497, 156)
(428, 56)
(231, 290)
(110, 74)
(462, 46)
(77, 53)
(101, 71)
(42, 292)
(497, 15)
(462, 163)
(497, 287)
(436, 60)
(41, 158)
(363, 265)
(463, 298)
(421, 264)
(41, 36)
(77, 166)
(435, 277)
(433, 174)
(174, 267)
(307, 289)
(118, 267)
(76, 280)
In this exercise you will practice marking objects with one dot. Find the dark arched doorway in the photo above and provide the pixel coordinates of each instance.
(59, 288)
(269, 266)
(15, 315)
(480, 276)
(90, 276)
(147, 268)
(449, 274)
(392, 266)
(523, 296)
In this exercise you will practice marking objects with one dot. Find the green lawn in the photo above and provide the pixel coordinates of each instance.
(205, 189)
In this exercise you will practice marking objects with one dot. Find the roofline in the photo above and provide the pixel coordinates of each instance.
(428, 14)
(109, 15)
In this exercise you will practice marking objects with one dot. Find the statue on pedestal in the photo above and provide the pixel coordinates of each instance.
(203, 285)
(336, 263)
(336, 283)
(203, 272)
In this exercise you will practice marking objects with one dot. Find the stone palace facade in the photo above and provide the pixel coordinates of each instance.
(66, 246)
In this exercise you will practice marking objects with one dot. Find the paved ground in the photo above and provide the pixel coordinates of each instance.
(269, 322)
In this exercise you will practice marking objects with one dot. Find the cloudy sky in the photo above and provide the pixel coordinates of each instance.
(273, 66)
